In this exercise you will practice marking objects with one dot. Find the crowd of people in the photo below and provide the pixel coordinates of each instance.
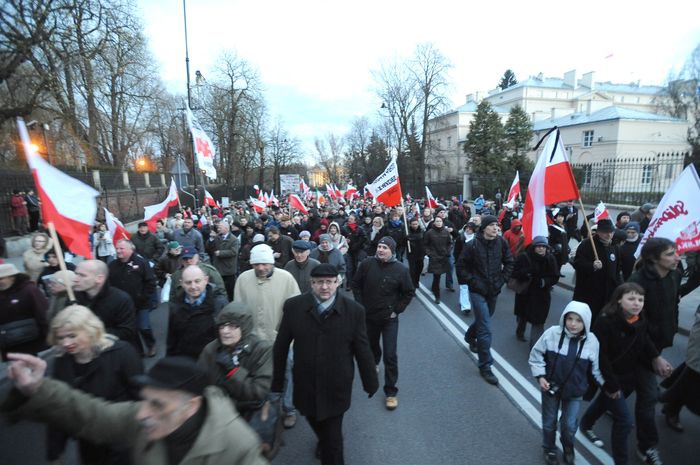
(275, 308)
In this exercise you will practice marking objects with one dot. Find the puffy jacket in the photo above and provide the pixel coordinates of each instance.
(485, 265)
(136, 278)
(548, 356)
(437, 248)
(148, 245)
(382, 287)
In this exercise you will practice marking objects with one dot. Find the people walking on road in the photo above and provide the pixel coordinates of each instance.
(383, 286)
(571, 220)
(222, 247)
(485, 264)
(538, 267)
(416, 255)
(467, 234)
(189, 256)
(438, 243)
(628, 247)
(596, 279)
(95, 362)
(560, 361)
(329, 336)
(188, 236)
(559, 239)
(627, 356)
(178, 418)
(103, 244)
(147, 244)
(33, 209)
(301, 265)
(515, 237)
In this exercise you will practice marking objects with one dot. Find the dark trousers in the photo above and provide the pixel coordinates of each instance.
(330, 438)
(388, 330)
(436, 285)
(623, 422)
(230, 284)
(34, 220)
(645, 408)
(415, 267)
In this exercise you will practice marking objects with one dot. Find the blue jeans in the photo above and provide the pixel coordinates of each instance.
(645, 407)
(483, 308)
(449, 283)
(388, 330)
(144, 319)
(568, 421)
(622, 423)
(288, 396)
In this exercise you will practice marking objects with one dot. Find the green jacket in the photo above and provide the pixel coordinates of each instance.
(214, 279)
(225, 438)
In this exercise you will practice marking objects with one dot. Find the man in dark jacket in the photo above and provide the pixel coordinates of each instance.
(485, 264)
(281, 246)
(384, 287)
(113, 306)
(596, 279)
(147, 244)
(355, 236)
(328, 331)
(223, 247)
(133, 274)
(191, 324)
(300, 267)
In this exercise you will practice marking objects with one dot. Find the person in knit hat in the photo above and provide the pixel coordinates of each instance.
(384, 287)
(264, 289)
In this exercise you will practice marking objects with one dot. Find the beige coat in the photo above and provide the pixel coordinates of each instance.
(266, 298)
(34, 259)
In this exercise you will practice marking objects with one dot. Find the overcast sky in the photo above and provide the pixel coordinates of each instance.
(315, 58)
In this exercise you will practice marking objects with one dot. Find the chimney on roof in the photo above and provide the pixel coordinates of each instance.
(540, 77)
(587, 80)
(570, 78)
(470, 98)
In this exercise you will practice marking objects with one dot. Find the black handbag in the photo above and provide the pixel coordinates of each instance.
(18, 332)
(267, 422)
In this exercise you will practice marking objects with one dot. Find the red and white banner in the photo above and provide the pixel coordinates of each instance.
(303, 188)
(678, 215)
(366, 193)
(266, 199)
(601, 212)
(203, 147)
(387, 187)
(430, 200)
(337, 192)
(66, 202)
(273, 199)
(331, 192)
(514, 192)
(115, 227)
(351, 192)
(153, 213)
(552, 181)
(258, 205)
(209, 200)
(296, 203)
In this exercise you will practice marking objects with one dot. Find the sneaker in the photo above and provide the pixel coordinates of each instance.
(550, 458)
(489, 377)
(471, 343)
(592, 437)
(290, 420)
(650, 456)
(466, 311)
(391, 403)
(151, 352)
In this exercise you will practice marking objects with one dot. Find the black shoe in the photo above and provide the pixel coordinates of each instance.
(317, 453)
(569, 455)
(672, 421)
(450, 288)
(489, 377)
(471, 343)
(437, 301)
(550, 458)
(520, 337)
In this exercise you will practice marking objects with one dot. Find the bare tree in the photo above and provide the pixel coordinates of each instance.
(283, 151)
(329, 155)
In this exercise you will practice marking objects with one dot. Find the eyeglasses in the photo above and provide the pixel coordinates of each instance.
(323, 282)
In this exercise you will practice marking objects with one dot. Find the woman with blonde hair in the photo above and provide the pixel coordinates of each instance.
(34, 258)
(89, 359)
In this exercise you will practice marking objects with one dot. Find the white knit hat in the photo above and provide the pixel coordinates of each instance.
(261, 253)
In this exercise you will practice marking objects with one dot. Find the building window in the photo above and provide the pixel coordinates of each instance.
(669, 171)
(647, 174)
(449, 142)
(587, 138)
(587, 174)
(439, 143)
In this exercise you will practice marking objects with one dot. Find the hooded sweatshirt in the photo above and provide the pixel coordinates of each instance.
(564, 358)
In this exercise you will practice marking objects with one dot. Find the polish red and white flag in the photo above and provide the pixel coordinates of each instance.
(320, 199)
(552, 181)
(338, 193)
(303, 188)
(386, 188)
(153, 213)
(514, 192)
(429, 199)
(601, 212)
(115, 227)
(209, 199)
(66, 202)
(266, 199)
(273, 199)
(258, 205)
(296, 203)
(331, 192)
(351, 192)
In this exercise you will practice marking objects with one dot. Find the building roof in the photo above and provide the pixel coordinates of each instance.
(471, 106)
(559, 83)
(604, 114)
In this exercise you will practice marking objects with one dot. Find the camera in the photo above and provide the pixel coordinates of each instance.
(553, 389)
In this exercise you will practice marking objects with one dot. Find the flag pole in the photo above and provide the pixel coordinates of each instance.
(588, 226)
(405, 224)
(61, 261)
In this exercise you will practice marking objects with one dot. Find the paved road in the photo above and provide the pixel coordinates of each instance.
(447, 414)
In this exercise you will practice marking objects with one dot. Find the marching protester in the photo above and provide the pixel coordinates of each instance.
(103, 246)
(467, 234)
(416, 253)
(355, 238)
(189, 256)
(147, 244)
(222, 247)
(438, 243)
(559, 239)
(188, 236)
(628, 247)
(301, 266)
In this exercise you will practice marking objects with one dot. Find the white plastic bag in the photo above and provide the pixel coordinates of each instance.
(165, 291)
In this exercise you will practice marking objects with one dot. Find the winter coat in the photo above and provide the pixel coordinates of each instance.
(548, 356)
(559, 242)
(265, 297)
(543, 273)
(148, 245)
(660, 303)
(224, 438)
(373, 242)
(191, 327)
(627, 258)
(325, 351)
(167, 265)
(226, 263)
(417, 240)
(596, 287)
(104, 247)
(338, 240)
(191, 238)
(21, 301)
(382, 288)
(249, 385)
(283, 246)
(485, 265)
(215, 281)
(623, 348)
(462, 240)
(437, 248)
(108, 377)
(136, 278)
(333, 257)
(516, 241)
(18, 206)
(116, 310)
(302, 272)
(397, 231)
(355, 237)
(33, 259)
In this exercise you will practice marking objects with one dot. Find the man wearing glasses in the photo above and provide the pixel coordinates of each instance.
(329, 334)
